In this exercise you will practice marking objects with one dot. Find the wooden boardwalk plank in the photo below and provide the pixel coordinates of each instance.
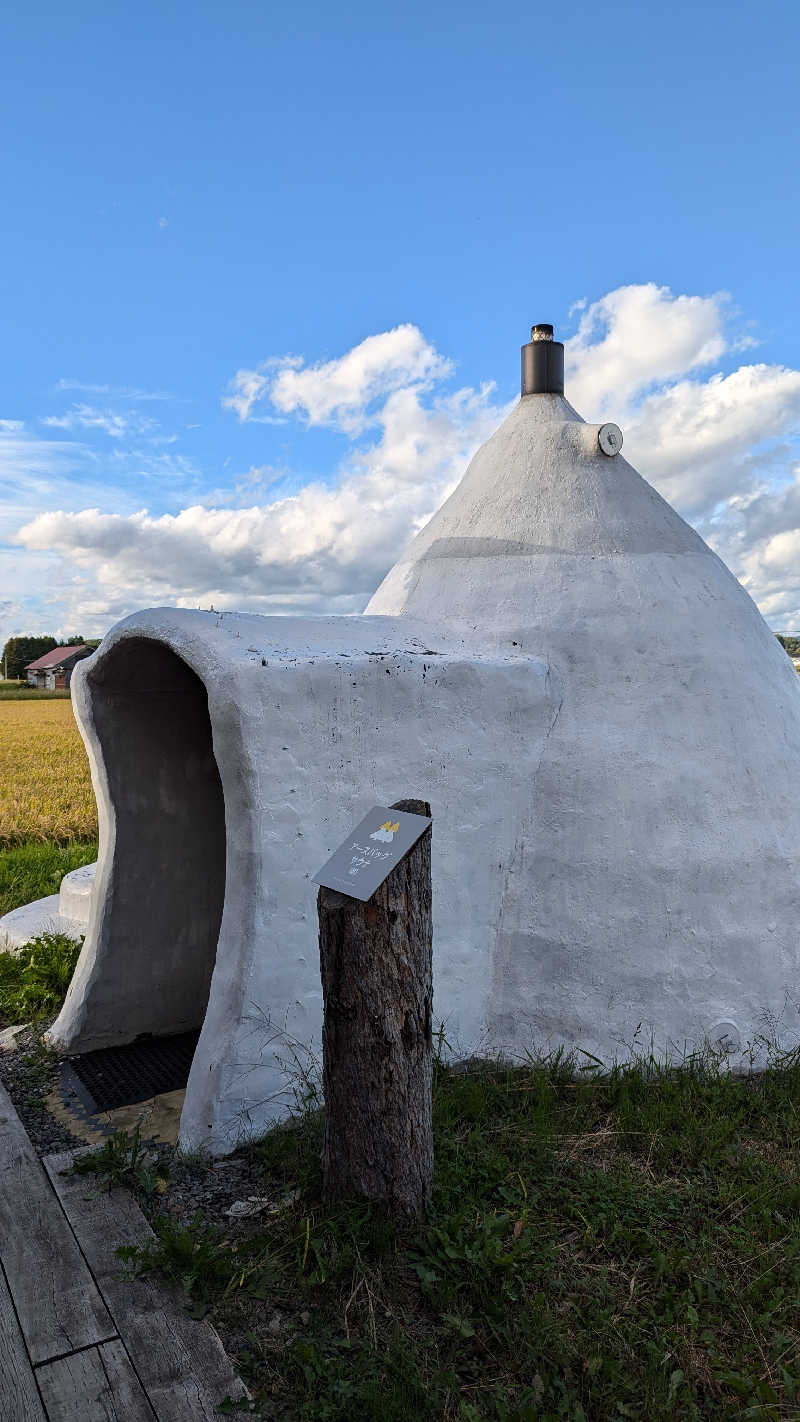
(181, 1363)
(96, 1385)
(19, 1399)
(56, 1299)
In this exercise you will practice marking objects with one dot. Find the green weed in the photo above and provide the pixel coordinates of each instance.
(123, 1160)
(34, 980)
(194, 1255)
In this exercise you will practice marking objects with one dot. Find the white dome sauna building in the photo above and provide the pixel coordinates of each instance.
(606, 730)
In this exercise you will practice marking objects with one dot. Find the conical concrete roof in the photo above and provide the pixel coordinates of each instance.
(653, 882)
(538, 490)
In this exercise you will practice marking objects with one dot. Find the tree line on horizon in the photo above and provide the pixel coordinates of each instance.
(19, 652)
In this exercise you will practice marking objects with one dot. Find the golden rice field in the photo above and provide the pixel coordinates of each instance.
(45, 789)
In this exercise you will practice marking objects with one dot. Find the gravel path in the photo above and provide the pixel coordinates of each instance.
(29, 1073)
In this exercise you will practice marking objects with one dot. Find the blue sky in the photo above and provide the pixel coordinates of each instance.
(388, 196)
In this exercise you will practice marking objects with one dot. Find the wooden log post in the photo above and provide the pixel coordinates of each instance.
(377, 985)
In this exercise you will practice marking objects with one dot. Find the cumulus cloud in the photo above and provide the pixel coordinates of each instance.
(701, 441)
(322, 548)
(341, 391)
(705, 442)
(248, 387)
(714, 433)
(636, 337)
(719, 446)
(760, 539)
(39, 474)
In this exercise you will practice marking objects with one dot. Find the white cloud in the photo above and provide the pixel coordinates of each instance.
(703, 442)
(638, 336)
(713, 434)
(770, 570)
(118, 392)
(759, 538)
(247, 388)
(341, 391)
(719, 447)
(88, 417)
(39, 474)
(33, 470)
(319, 549)
(32, 578)
(10, 613)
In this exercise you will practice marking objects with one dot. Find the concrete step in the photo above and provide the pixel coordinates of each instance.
(65, 912)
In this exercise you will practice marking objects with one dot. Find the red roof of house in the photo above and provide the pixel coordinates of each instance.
(55, 658)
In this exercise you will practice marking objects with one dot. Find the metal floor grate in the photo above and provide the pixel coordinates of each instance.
(121, 1076)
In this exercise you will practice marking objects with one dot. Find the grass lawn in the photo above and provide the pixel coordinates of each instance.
(20, 691)
(35, 870)
(601, 1246)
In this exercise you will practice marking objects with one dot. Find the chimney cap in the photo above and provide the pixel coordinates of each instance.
(543, 363)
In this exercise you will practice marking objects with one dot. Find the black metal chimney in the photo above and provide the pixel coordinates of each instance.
(543, 363)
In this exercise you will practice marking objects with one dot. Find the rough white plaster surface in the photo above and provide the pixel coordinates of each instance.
(65, 912)
(22, 924)
(313, 723)
(607, 732)
(652, 884)
(75, 894)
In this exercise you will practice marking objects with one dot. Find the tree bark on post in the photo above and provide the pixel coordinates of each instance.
(377, 986)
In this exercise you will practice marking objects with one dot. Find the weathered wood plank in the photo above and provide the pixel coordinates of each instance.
(19, 1399)
(179, 1360)
(96, 1385)
(57, 1301)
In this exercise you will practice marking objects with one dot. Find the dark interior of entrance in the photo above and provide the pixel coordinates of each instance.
(163, 909)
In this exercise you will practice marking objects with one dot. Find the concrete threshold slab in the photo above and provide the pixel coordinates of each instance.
(159, 1117)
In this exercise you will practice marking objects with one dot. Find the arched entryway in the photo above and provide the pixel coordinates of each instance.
(162, 906)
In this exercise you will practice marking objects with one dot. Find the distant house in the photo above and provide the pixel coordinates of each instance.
(54, 670)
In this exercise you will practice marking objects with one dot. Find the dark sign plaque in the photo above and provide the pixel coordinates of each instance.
(371, 851)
